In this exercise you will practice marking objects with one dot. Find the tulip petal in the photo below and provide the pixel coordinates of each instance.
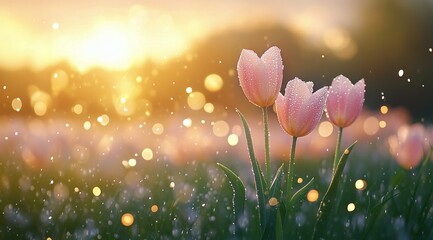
(250, 68)
(345, 101)
(274, 67)
(260, 78)
(312, 111)
(300, 110)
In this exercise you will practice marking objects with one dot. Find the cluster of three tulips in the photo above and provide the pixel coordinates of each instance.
(299, 110)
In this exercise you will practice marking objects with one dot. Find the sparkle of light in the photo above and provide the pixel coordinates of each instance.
(350, 207)
(147, 154)
(360, 184)
(96, 191)
(382, 124)
(172, 185)
(213, 82)
(127, 219)
(196, 100)
(300, 180)
(17, 104)
(400, 73)
(312, 195)
(220, 128)
(325, 129)
(188, 90)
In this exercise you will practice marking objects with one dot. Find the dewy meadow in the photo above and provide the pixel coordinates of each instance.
(222, 120)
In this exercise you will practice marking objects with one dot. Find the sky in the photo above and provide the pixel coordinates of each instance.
(120, 34)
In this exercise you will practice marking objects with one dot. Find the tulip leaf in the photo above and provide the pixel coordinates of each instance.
(274, 228)
(238, 190)
(418, 180)
(261, 187)
(328, 200)
(273, 217)
(301, 192)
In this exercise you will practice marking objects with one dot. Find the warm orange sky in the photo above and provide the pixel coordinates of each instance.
(119, 34)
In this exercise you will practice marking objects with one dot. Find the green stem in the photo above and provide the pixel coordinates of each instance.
(337, 150)
(291, 171)
(267, 152)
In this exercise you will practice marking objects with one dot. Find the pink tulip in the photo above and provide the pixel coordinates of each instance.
(261, 78)
(408, 145)
(299, 110)
(345, 101)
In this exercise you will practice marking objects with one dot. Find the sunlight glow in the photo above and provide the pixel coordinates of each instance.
(108, 46)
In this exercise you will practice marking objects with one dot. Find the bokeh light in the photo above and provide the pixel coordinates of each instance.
(104, 119)
(371, 125)
(127, 219)
(208, 107)
(384, 109)
(213, 82)
(360, 184)
(220, 128)
(158, 128)
(187, 122)
(17, 104)
(350, 207)
(273, 201)
(154, 208)
(325, 129)
(233, 139)
(147, 154)
(196, 100)
(312, 195)
(96, 191)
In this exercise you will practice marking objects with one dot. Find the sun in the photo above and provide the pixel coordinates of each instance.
(109, 46)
